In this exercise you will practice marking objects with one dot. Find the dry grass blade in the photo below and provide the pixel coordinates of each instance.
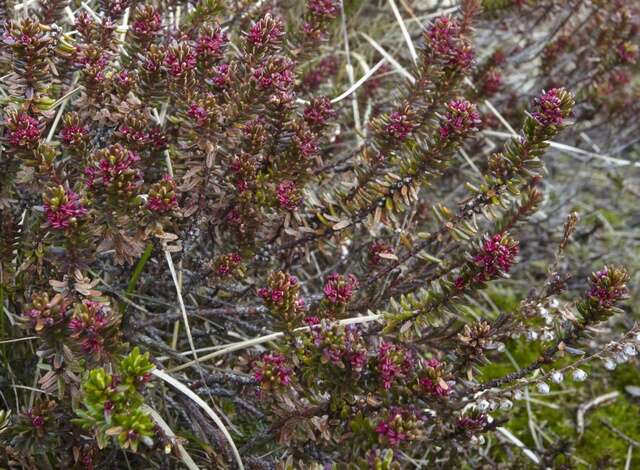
(207, 409)
(389, 58)
(162, 424)
(360, 82)
(405, 32)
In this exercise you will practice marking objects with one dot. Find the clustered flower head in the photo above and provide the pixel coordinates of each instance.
(114, 171)
(472, 422)
(272, 372)
(63, 208)
(89, 326)
(402, 424)
(324, 8)
(288, 195)
(628, 52)
(266, 33)
(318, 112)
(551, 108)
(23, 131)
(395, 363)
(338, 289)
(445, 40)
(607, 287)
(162, 196)
(338, 345)
(147, 21)
(228, 265)
(282, 298)
(497, 256)
(73, 133)
(275, 74)
(433, 382)
(400, 125)
(492, 82)
(211, 43)
(180, 59)
(461, 118)
(45, 312)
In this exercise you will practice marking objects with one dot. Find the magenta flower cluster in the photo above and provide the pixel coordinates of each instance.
(461, 118)
(318, 112)
(497, 255)
(447, 43)
(288, 195)
(549, 108)
(395, 363)
(87, 326)
(338, 345)
(73, 134)
(434, 383)
(339, 288)
(400, 125)
(604, 291)
(23, 130)
(63, 208)
(272, 371)
(400, 425)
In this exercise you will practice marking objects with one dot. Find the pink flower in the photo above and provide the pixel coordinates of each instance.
(628, 52)
(23, 130)
(271, 371)
(73, 135)
(461, 118)
(498, 255)
(339, 288)
(602, 289)
(318, 111)
(549, 108)
(266, 32)
(288, 195)
(148, 24)
(399, 125)
(63, 208)
(162, 196)
(446, 42)
(400, 425)
(220, 76)
(324, 8)
(212, 43)
(492, 82)
(198, 114)
(394, 363)
(180, 60)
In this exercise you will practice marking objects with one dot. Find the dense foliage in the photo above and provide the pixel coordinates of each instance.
(314, 234)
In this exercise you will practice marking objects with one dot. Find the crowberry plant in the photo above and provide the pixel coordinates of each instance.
(311, 234)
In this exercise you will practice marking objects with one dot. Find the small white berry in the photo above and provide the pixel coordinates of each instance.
(610, 364)
(554, 303)
(548, 335)
(506, 405)
(557, 377)
(483, 405)
(532, 335)
(579, 375)
(630, 350)
(543, 388)
(517, 395)
(621, 358)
